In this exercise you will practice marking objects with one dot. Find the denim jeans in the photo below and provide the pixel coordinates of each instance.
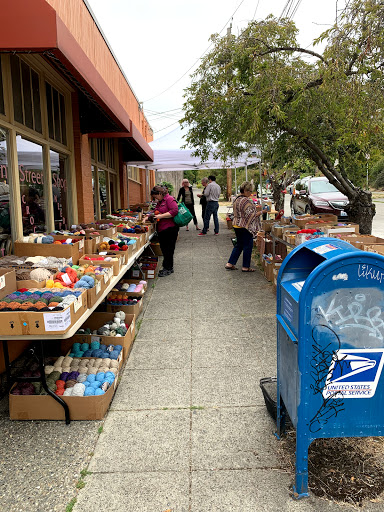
(211, 209)
(244, 244)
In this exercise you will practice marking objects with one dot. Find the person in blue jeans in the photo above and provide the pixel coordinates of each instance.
(246, 222)
(212, 192)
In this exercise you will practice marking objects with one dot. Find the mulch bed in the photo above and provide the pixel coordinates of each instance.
(348, 470)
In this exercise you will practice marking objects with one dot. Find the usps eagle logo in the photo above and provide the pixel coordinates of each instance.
(354, 373)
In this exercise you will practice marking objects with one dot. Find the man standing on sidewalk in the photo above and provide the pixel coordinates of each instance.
(203, 199)
(212, 193)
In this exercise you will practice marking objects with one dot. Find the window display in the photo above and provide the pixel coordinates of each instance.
(60, 190)
(31, 175)
(5, 218)
(103, 194)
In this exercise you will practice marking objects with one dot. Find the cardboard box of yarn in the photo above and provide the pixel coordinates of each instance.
(113, 262)
(94, 324)
(98, 349)
(30, 248)
(25, 322)
(127, 286)
(43, 407)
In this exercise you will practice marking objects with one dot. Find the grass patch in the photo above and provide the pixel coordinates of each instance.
(100, 429)
(70, 505)
(80, 484)
(196, 408)
(138, 325)
(85, 472)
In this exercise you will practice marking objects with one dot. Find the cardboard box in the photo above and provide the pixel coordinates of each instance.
(266, 225)
(101, 232)
(360, 241)
(116, 266)
(348, 228)
(134, 281)
(124, 255)
(29, 283)
(44, 407)
(156, 248)
(94, 294)
(129, 310)
(377, 248)
(7, 281)
(59, 251)
(95, 321)
(47, 322)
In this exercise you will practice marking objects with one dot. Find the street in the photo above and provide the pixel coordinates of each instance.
(378, 221)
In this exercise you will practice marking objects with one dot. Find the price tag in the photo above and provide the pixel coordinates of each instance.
(135, 273)
(120, 262)
(97, 239)
(2, 282)
(98, 287)
(66, 279)
(131, 327)
(77, 304)
(95, 338)
(57, 321)
(104, 253)
(81, 243)
(106, 277)
(110, 272)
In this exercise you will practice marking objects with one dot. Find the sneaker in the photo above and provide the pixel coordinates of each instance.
(201, 234)
(216, 234)
(171, 271)
(164, 272)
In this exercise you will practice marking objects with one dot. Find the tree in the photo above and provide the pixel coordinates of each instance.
(262, 88)
(191, 176)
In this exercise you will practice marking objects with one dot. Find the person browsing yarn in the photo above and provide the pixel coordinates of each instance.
(246, 222)
(167, 230)
(186, 195)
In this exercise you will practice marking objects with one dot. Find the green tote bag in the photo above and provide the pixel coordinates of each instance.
(184, 216)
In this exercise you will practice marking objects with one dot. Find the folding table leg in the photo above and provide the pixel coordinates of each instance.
(40, 355)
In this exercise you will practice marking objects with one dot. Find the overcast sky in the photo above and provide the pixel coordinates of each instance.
(157, 41)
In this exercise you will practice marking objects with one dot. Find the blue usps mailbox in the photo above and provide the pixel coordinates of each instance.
(330, 345)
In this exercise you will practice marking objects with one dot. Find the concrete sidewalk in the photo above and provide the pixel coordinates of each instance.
(188, 429)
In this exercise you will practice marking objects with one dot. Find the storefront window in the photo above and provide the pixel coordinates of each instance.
(31, 171)
(5, 218)
(56, 114)
(112, 190)
(2, 109)
(26, 94)
(59, 190)
(103, 194)
(94, 193)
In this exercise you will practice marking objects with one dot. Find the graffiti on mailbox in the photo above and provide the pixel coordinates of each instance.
(323, 356)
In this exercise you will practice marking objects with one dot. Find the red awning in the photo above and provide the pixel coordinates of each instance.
(34, 26)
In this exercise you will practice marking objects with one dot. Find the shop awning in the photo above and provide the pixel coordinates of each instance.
(35, 27)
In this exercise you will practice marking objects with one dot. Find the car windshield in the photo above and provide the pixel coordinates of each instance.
(321, 187)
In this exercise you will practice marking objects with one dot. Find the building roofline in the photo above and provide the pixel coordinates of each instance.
(113, 54)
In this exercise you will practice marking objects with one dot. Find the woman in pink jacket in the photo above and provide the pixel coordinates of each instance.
(166, 227)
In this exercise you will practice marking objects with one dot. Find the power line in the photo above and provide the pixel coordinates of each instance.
(194, 64)
(257, 6)
(161, 129)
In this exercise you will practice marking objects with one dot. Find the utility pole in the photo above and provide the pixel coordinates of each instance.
(246, 171)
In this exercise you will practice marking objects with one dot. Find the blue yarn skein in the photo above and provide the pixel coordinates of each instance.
(99, 391)
(89, 391)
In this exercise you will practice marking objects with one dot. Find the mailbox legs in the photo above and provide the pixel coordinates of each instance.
(300, 489)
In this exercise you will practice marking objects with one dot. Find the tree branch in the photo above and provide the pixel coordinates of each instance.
(324, 164)
(290, 49)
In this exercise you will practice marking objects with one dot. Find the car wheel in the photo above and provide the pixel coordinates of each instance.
(308, 209)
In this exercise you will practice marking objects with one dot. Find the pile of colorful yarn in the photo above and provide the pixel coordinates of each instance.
(39, 300)
(99, 257)
(95, 349)
(115, 327)
(49, 262)
(103, 227)
(122, 299)
(113, 245)
(38, 238)
(130, 287)
(136, 229)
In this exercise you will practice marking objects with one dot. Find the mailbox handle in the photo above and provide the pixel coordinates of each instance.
(284, 325)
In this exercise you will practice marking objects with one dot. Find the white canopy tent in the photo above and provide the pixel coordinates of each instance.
(169, 156)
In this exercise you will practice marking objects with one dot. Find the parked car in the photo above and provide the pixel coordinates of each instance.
(317, 195)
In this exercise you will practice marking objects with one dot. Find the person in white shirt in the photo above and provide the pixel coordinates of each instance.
(212, 193)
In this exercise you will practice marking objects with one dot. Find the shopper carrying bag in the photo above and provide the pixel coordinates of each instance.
(167, 230)
(186, 196)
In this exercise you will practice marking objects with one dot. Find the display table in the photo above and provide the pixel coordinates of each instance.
(274, 240)
(40, 339)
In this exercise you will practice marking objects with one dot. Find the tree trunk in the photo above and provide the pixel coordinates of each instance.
(361, 210)
(277, 195)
